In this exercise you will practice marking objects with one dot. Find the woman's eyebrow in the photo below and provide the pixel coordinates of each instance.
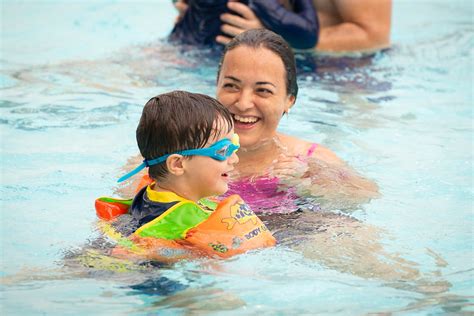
(265, 82)
(257, 83)
(232, 78)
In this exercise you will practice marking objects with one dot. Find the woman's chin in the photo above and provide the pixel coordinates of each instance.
(247, 139)
(249, 144)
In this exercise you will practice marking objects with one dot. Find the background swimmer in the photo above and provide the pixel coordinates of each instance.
(199, 23)
(343, 25)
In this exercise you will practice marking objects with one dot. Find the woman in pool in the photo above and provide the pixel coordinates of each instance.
(256, 81)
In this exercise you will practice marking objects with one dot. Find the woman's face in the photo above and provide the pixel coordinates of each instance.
(252, 85)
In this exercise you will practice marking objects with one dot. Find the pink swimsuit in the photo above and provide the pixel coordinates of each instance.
(264, 194)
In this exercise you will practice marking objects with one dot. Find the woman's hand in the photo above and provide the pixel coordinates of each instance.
(234, 24)
(339, 186)
(291, 170)
(333, 185)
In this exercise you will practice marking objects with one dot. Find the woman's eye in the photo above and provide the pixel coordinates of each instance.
(265, 92)
(230, 86)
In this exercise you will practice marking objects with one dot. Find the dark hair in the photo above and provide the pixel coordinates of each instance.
(257, 38)
(176, 121)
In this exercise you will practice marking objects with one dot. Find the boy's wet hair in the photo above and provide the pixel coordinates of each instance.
(177, 121)
(256, 38)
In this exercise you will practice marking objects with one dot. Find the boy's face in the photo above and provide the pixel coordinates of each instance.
(207, 176)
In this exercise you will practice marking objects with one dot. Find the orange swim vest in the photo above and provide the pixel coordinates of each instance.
(144, 181)
(231, 229)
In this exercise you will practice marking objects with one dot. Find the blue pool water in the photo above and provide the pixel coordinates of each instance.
(74, 77)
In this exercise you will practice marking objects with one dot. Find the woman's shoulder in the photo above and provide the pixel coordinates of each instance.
(300, 147)
(294, 144)
(327, 155)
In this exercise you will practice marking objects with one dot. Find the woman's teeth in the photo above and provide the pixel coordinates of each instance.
(242, 119)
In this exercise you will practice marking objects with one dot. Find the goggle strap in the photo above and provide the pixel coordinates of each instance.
(143, 165)
(133, 172)
(189, 152)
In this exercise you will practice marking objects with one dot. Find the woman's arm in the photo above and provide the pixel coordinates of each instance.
(338, 186)
(321, 175)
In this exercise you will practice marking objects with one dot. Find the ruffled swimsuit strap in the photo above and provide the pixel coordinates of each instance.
(311, 149)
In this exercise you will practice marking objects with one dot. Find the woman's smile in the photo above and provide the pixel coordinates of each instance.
(244, 122)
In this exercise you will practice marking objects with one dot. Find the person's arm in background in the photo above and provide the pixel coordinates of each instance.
(364, 25)
(181, 6)
(361, 25)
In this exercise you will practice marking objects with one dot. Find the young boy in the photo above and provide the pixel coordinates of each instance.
(189, 146)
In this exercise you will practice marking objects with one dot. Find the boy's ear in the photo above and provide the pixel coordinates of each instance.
(174, 163)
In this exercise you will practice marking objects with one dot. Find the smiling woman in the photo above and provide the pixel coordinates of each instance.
(256, 81)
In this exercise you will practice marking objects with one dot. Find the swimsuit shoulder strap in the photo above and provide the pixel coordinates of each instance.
(311, 149)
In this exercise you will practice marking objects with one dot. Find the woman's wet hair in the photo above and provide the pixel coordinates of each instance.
(177, 121)
(257, 38)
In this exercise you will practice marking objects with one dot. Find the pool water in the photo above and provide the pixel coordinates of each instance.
(74, 77)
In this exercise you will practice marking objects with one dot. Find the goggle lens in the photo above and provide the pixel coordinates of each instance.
(228, 149)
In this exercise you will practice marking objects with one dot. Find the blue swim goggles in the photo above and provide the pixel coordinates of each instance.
(220, 150)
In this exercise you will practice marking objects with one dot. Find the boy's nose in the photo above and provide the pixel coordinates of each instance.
(233, 159)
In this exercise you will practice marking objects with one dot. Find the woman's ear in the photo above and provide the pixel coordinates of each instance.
(289, 103)
(174, 163)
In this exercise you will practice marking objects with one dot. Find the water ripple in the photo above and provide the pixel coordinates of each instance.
(46, 116)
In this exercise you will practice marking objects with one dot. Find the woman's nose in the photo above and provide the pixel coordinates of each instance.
(244, 101)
